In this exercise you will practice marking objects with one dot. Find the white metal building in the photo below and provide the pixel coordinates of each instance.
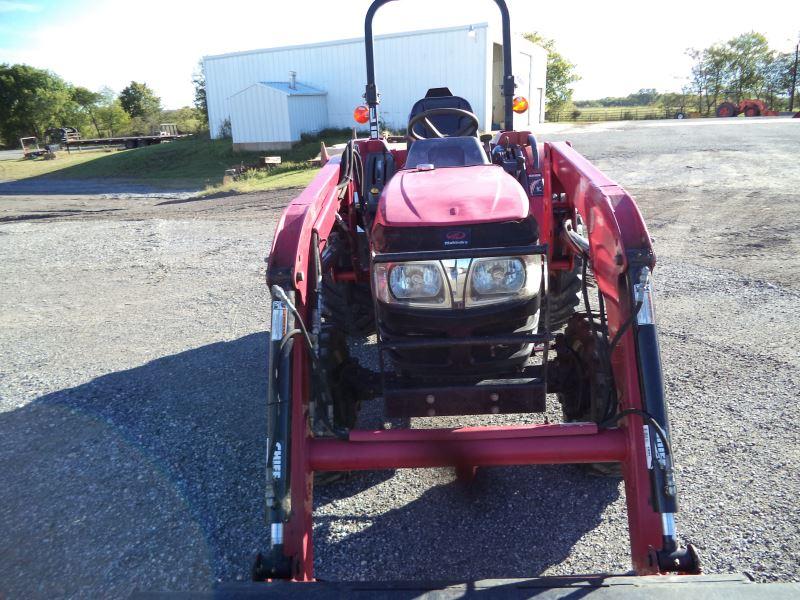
(467, 59)
(271, 115)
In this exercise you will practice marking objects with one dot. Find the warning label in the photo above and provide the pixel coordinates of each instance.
(648, 449)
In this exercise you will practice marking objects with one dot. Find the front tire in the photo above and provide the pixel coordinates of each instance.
(342, 377)
(587, 391)
(349, 306)
(564, 291)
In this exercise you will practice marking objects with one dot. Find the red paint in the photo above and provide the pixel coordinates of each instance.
(292, 242)
(479, 194)
(615, 223)
(345, 276)
(473, 433)
(473, 450)
(298, 542)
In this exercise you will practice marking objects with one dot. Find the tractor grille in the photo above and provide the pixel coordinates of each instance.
(463, 361)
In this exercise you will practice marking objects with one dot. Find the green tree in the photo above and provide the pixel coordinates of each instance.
(644, 97)
(560, 73)
(111, 117)
(138, 100)
(31, 101)
(200, 99)
(778, 80)
(750, 57)
(188, 119)
(743, 67)
(87, 102)
(711, 76)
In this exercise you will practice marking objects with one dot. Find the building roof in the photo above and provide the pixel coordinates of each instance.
(300, 89)
(357, 40)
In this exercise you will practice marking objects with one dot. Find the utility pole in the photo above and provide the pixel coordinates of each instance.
(794, 76)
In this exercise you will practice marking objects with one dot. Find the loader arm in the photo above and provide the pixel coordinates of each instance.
(619, 248)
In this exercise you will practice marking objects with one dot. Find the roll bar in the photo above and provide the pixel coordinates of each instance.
(372, 97)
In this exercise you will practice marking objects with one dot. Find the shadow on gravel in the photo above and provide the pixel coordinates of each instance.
(149, 478)
(44, 185)
(511, 522)
(152, 478)
(54, 214)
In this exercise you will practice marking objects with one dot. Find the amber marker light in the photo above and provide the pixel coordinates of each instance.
(361, 114)
(520, 104)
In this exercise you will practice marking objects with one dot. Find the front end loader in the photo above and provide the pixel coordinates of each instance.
(494, 271)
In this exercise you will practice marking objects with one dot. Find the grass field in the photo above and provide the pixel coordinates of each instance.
(612, 113)
(11, 170)
(192, 163)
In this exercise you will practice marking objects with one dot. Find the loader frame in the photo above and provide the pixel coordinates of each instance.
(619, 248)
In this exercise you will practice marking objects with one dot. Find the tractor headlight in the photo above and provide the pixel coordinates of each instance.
(458, 283)
(417, 283)
(493, 280)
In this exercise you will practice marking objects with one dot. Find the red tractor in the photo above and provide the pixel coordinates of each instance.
(494, 272)
(749, 108)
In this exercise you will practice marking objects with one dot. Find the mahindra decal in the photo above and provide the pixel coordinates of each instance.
(456, 238)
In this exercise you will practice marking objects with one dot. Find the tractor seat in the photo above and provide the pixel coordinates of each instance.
(441, 98)
(447, 152)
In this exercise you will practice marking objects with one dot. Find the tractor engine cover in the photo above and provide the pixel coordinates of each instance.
(452, 196)
(434, 211)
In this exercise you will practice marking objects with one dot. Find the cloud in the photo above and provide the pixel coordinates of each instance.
(9, 6)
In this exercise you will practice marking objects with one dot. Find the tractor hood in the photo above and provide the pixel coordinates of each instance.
(452, 196)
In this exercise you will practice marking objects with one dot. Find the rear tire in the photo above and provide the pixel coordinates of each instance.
(727, 109)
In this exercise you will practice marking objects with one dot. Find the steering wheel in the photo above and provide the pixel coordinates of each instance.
(470, 128)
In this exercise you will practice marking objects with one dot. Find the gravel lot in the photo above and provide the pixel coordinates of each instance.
(132, 378)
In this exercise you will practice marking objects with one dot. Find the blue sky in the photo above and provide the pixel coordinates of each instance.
(619, 46)
(19, 17)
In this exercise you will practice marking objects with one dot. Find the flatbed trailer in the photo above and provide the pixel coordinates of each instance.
(137, 141)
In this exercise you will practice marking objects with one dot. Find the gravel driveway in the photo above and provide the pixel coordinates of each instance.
(132, 379)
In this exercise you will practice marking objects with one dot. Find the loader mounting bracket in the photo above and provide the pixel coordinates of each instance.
(276, 565)
(673, 559)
